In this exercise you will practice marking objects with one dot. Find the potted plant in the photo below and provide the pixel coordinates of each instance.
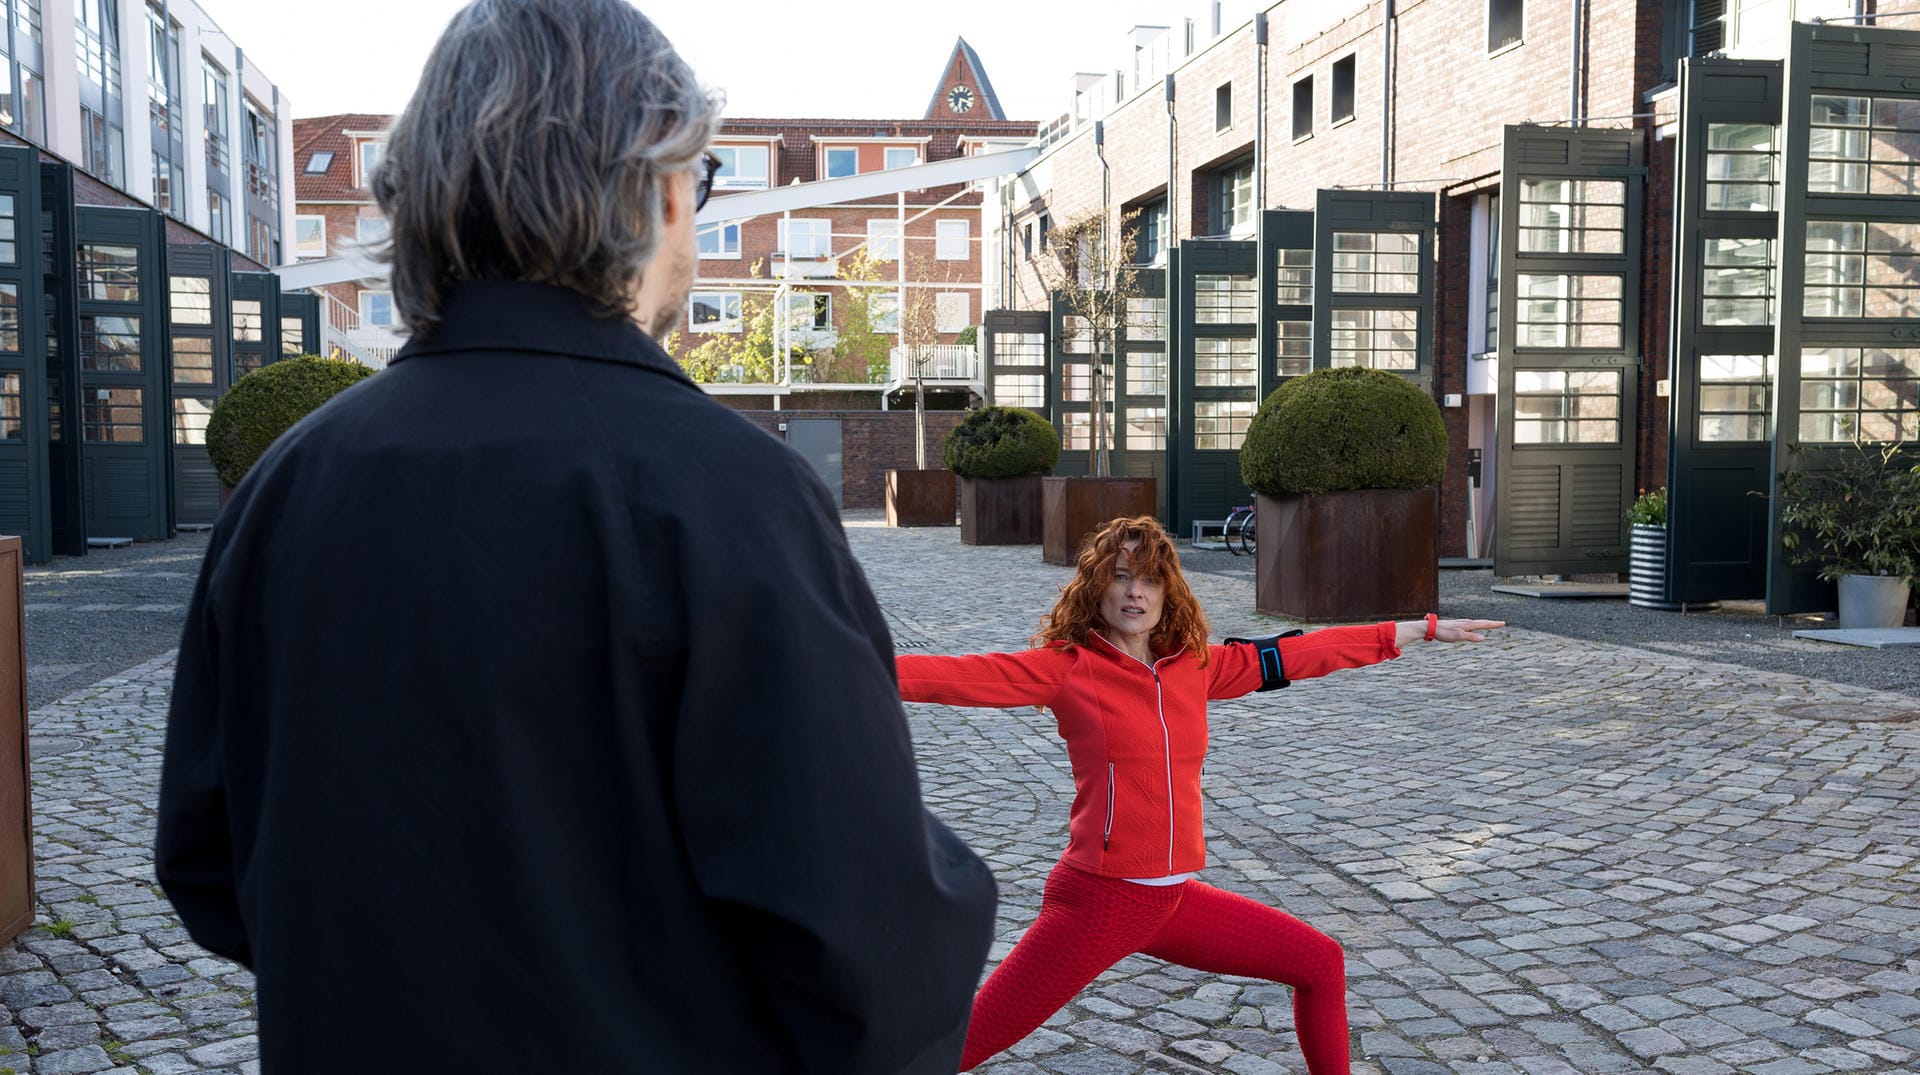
(1346, 465)
(999, 454)
(266, 403)
(1647, 570)
(1093, 275)
(1856, 518)
(921, 496)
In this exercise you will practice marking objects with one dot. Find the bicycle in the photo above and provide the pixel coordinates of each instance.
(1239, 530)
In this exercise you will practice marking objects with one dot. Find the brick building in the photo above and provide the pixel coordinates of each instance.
(827, 283)
(1444, 188)
(335, 214)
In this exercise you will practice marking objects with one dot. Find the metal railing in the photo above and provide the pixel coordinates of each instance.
(344, 335)
(945, 362)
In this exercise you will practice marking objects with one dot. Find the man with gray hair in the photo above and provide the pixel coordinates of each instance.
(531, 713)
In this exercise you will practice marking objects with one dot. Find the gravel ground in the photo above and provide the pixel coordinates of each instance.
(91, 616)
(1738, 633)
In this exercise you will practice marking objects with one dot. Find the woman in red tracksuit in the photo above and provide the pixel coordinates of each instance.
(1123, 663)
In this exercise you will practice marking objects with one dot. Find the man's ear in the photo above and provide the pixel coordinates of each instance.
(676, 197)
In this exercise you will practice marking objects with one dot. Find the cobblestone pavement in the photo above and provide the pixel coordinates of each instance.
(89, 617)
(1543, 855)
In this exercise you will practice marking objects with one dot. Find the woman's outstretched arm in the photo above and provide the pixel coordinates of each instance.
(1242, 666)
(997, 680)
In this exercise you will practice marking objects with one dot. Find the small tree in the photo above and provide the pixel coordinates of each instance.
(920, 331)
(862, 343)
(1094, 273)
(746, 356)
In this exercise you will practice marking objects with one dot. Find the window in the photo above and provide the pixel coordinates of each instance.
(1150, 238)
(1233, 211)
(193, 360)
(952, 240)
(1859, 393)
(310, 236)
(1076, 430)
(9, 252)
(371, 154)
(810, 310)
(1376, 262)
(214, 95)
(1742, 161)
(190, 417)
(1026, 240)
(1377, 339)
(1864, 145)
(13, 421)
(1020, 349)
(1223, 363)
(248, 325)
(110, 344)
(370, 228)
(112, 416)
(293, 336)
(164, 108)
(1224, 300)
(714, 311)
(1736, 281)
(883, 313)
(1735, 397)
(901, 157)
(190, 298)
(1574, 310)
(1566, 406)
(103, 147)
(883, 240)
(109, 273)
(1046, 229)
(1147, 374)
(261, 146)
(10, 318)
(1573, 216)
(843, 162)
(1221, 425)
(1146, 320)
(718, 240)
(26, 113)
(1492, 344)
(103, 143)
(376, 309)
(1293, 277)
(1223, 107)
(741, 168)
(319, 162)
(1303, 108)
(219, 216)
(1146, 428)
(1505, 23)
(806, 238)
(1294, 343)
(953, 311)
(1862, 269)
(1341, 105)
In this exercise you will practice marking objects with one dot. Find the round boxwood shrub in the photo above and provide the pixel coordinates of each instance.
(1002, 442)
(1340, 429)
(266, 403)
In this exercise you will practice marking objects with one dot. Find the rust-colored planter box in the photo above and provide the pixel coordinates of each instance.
(1000, 511)
(16, 798)
(1371, 554)
(1071, 509)
(920, 497)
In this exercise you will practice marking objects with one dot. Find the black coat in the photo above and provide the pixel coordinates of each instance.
(532, 714)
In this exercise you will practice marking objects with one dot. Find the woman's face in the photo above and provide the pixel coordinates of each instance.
(1131, 605)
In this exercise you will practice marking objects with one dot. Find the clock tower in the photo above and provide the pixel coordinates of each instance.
(963, 91)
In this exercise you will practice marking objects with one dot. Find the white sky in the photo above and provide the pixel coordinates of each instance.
(863, 59)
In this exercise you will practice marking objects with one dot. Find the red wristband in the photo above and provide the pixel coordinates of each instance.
(1433, 624)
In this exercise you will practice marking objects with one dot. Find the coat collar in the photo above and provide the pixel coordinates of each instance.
(513, 315)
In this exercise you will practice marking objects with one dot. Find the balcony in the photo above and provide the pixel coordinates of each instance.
(807, 266)
(947, 365)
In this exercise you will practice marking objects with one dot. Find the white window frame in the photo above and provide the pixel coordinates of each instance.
(802, 307)
(887, 161)
(366, 309)
(883, 313)
(363, 167)
(819, 234)
(952, 240)
(826, 161)
(305, 250)
(725, 323)
(945, 317)
(741, 179)
(360, 228)
(722, 228)
(883, 239)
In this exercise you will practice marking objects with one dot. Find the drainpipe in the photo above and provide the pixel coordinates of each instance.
(1573, 72)
(1260, 113)
(1172, 156)
(1386, 95)
(1102, 336)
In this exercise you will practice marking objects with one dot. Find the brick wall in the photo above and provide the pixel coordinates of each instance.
(871, 443)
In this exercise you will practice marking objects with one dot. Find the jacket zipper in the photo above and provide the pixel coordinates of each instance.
(1106, 840)
(1166, 747)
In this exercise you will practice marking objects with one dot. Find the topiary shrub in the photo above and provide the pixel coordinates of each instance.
(266, 403)
(1002, 442)
(1348, 428)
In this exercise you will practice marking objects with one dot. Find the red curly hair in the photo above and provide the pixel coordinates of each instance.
(1077, 613)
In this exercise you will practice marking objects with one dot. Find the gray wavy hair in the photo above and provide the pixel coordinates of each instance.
(531, 151)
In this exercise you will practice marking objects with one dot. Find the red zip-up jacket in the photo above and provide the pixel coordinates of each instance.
(1136, 733)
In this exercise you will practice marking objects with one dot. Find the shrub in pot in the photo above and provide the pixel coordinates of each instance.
(1647, 567)
(1855, 517)
(266, 403)
(999, 454)
(1346, 465)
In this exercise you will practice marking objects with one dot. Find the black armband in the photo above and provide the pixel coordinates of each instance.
(1273, 671)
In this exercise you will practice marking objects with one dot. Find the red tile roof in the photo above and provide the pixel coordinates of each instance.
(327, 134)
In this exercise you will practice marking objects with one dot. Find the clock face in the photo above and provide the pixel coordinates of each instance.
(960, 98)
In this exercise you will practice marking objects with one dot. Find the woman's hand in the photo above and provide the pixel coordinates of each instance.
(1407, 631)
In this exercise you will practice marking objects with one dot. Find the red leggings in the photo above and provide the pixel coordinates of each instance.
(1088, 923)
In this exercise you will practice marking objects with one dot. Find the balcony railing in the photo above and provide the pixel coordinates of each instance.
(945, 363)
